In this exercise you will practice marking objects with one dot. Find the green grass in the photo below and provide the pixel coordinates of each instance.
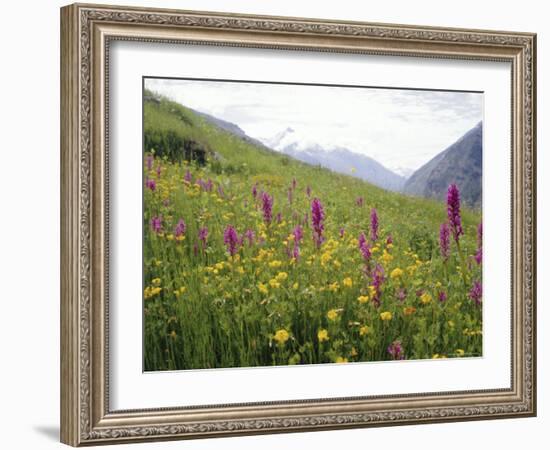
(206, 309)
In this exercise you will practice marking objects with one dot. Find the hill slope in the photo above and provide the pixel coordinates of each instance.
(253, 258)
(461, 163)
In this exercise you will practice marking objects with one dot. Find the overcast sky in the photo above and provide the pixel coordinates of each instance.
(402, 129)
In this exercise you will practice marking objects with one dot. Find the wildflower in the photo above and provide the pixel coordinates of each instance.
(274, 264)
(348, 282)
(341, 232)
(263, 288)
(156, 224)
(267, 207)
(180, 228)
(364, 330)
(322, 335)
(364, 247)
(389, 240)
(203, 235)
(281, 336)
(255, 190)
(317, 217)
(476, 292)
(334, 287)
(444, 241)
(231, 239)
(332, 314)
(479, 253)
(281, 276)
(442, 296)
(150, 291)
(294, 183)
(295, 286)
(159, 169)
(409, 310)
(188, 178)
(341, 360)
(453, 211)
(386, 257)
(297, 235)
(395, 350)
(363, 299)
(274, 283)
(289, 196)
(250, 236)
(396, 273)
(359, 201)
(386, 316)
(425, 298)
(459, 352)
(308, 191)
(150, 184)
(155, 281)
(373, 224)
(149, 160)
(401, 294)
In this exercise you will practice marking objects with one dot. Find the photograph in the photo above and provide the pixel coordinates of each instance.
(296, 224)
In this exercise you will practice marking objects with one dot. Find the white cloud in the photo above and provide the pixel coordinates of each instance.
(399, 128)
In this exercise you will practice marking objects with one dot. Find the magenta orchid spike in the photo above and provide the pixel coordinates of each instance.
(453, 211)
(180, 228)
(317, 218)
(231, 240)
(267, 207)
(373, 224)
(156, 224)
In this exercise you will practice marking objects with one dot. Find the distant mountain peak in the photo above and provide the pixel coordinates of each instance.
(334, 157)
(460, 163)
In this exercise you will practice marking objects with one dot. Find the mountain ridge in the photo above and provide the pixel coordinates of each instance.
(460, 163)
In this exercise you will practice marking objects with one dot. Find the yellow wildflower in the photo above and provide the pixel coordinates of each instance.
(425, 298)
(353, 352)
(386, 315)
(281, 276)
(459, 352)
(274, 283)
(348, 282)
(364, 330)
(396, 273)
(155, 282)
(332, 314)
(363, 298)
(322, 335)
(262, 288)
(295, 286)
(333, 287)
(386, 257)
(325, 258)
(281, 336)
(275, 264)
(409, 310)
(151, 291)
(341, 360)
(173, 334)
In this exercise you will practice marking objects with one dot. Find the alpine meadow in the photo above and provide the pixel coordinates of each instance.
(255, 256)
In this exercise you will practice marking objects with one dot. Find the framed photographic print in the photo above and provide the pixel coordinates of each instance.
(276, 224)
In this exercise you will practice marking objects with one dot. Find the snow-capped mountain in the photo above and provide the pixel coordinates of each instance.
(338, 159)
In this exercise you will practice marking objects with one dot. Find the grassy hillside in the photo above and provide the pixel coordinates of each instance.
(228, 282)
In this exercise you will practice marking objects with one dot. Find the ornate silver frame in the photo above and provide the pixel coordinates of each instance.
(86, 31)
